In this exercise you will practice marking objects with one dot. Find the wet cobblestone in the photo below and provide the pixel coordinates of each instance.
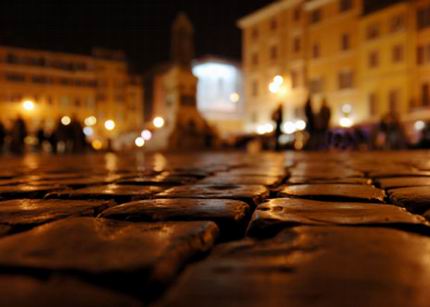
(210, 229)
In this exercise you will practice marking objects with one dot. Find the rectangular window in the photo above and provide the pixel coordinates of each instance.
(372, 32)
(254, 88)
(373, 59)
(297, 14)
(273, 53)
(316, 51)
(294, 79)
(345, 5)
(297, 44)
(393, 101)
(316, 86)
(15, 77)
(315, 16)
(273, 24)
(345, 80)
(373, 104)
(397, 23)
(345, 42)
(425, 95)
(397, 54)
(254, 59)
(423, 18)
(254, 34)
(420, 55)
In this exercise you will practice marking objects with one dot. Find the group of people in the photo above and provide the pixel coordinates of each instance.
(64, 138)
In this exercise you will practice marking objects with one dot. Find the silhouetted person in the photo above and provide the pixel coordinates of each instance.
(310, 124)
(41, 137)
(53, 140)
(2, 136)
(394, 137)
(278, 118)
(323, 121)
(77, 136)
(424, 142)
(19, 132)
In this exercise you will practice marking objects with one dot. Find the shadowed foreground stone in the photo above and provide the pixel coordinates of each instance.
(399, 173)
(344, 192)
(325, 173)
(30, 212)
(26, 191)
(25, 292)
(111, 191)
(134, 257)
(229, 215)
(276, 214)
(312, 266)
(403, 182)
(163, 179)
(414, 199)
(252, 194)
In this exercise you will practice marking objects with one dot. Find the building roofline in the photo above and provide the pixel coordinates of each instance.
(313, 4)
(265, 12)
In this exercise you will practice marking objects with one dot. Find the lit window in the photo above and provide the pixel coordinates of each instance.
(345, 5)
(397, 53)
(315, 16)
(345, 80)
(372, 31)
(345, 42)
(373, 59)
(397, 23)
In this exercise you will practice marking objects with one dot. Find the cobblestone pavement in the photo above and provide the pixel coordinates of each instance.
(216, 229)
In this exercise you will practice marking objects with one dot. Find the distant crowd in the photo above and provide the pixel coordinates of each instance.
(388, 134)
(68, 138)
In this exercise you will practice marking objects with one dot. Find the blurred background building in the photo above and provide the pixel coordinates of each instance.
(366, 58)
(219, 93)
(49, 88)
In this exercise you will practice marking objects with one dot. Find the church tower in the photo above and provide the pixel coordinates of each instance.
(182, 41)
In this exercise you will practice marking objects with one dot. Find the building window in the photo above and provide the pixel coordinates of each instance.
(345, 5)
(15, 77)
(273, 53)
(393, 101)
(420, 55)
(254, 34)
(372, 31)
(315, 16)
(397, 53)
(373, 59)
(316, 51)
(397, 23)
(294, 79)
(316, 85)
(254, 88)
(297, 13)
(425, 95)
(373, 104)
(297, 44)
(273, 24)
(423, 18)
(254, 59)
(345, 42)
(345, 80)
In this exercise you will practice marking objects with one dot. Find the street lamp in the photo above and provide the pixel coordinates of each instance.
(110, 125)
(158, 122)
(28, 105)
(66, 120)
(90, 120)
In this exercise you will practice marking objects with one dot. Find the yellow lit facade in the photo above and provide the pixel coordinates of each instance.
(371, 62)
(43, 87)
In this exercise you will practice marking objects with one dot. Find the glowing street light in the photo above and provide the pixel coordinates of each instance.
(28, 105)
(158, 122)
(66, 120)
(90, 120)
(110, 125)
(346, 122)
(146, 135)
(88, 131)
(139, 141)
(234, 97)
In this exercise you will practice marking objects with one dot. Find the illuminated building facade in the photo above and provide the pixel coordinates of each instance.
(43, 87)
(365, 58)
(219, 93)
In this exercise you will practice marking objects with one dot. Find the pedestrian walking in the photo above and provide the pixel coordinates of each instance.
(310, 124)
(41, 137)
(19, 133)
(2, 136)
(278, 118)
(323, 125)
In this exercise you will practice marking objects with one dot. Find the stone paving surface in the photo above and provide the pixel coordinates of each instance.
(211, 229)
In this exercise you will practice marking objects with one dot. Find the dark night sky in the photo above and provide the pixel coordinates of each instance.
(140, 27)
